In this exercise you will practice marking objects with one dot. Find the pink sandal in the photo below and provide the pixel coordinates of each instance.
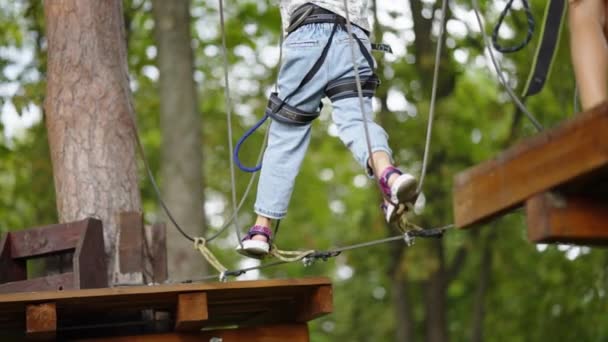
(402, 192)
(255, 248)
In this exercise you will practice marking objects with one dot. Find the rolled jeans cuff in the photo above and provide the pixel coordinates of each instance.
(269, 213)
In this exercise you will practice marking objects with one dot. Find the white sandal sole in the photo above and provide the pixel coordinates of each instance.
(253, 248)
(404, 192)
(404, 189)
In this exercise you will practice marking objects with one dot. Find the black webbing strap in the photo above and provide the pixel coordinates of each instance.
(309, 14)
(382, 47)
(283, 112)
(315, 68)
(347, 87)
(545, 52)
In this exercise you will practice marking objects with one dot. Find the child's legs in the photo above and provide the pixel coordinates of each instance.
(287, 143)
(589, 49)
(351, 130)
(347, 114)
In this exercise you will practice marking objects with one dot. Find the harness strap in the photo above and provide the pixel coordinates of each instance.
(347, 87)
(283, 112)
(545, 53)
(382, 47)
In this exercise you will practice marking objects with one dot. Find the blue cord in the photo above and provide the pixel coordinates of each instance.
(247, 134)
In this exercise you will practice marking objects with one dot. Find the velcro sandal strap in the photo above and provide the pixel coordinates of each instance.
(386, 174)
(259, 230)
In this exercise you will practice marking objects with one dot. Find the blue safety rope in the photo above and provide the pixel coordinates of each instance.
(247, 134)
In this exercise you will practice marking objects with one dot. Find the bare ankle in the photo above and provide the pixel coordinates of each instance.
(263, 221)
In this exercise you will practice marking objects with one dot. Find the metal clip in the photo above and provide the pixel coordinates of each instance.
(308, 261)
(223, 277)
(409, 240)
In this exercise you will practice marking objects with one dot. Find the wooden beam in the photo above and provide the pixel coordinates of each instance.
(43, 240)
(573, 150)
(10, 269)
(89, 258)
(131, 243)
(319, 304)
(234, 303)
(41, 321)
(58, 282)
(571, 219)
(191, 312)
(266, 333)
(155, 253)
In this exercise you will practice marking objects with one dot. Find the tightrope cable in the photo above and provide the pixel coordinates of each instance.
(308, 257)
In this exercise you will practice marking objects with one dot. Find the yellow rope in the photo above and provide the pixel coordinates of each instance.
(405, 225)
(201, 244)
(289, 256)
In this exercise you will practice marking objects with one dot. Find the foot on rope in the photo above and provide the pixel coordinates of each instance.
(256, 244)
(400, 188)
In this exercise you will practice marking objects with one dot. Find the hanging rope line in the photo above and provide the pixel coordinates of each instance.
(498, 70)
(529, 33)
(150, 177)
(201, 245)
(351, 42)
(259, 160)
(309, 257)
(229, 122)
(429, 128)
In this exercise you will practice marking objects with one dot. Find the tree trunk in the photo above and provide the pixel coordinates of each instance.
(436, 323)
(88, 108)
(181, 157)
(482, 287)
(404, 331)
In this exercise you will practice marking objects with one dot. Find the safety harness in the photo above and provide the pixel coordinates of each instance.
(336, 90)
(340, 89)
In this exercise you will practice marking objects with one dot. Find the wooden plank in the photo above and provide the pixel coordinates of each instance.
(62, 281)
(133, 292)
(131, 242)
(319, 304)
(233, 303)
(266, 333)
(155, 253)
(191, 311)
(46, 239)
(90, 259)
(41, 321)
(10, 269)
(571, 219)
(572, 150)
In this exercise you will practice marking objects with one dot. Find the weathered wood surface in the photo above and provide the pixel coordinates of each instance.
(191, 312)
(575, 151)
(241, 303)
(84, 239)
(267, 333)
(41, 321)
(570, 219)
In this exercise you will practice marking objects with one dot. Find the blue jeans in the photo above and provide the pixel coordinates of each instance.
(287, 144)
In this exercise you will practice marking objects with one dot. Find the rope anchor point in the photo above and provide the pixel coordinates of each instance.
(409, 240)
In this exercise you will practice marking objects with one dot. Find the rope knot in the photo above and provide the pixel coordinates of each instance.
(199, 242)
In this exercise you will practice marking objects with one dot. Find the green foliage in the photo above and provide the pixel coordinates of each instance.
(532, 295)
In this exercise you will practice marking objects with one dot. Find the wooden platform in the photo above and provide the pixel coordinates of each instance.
(283, 306)
(570, 160)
